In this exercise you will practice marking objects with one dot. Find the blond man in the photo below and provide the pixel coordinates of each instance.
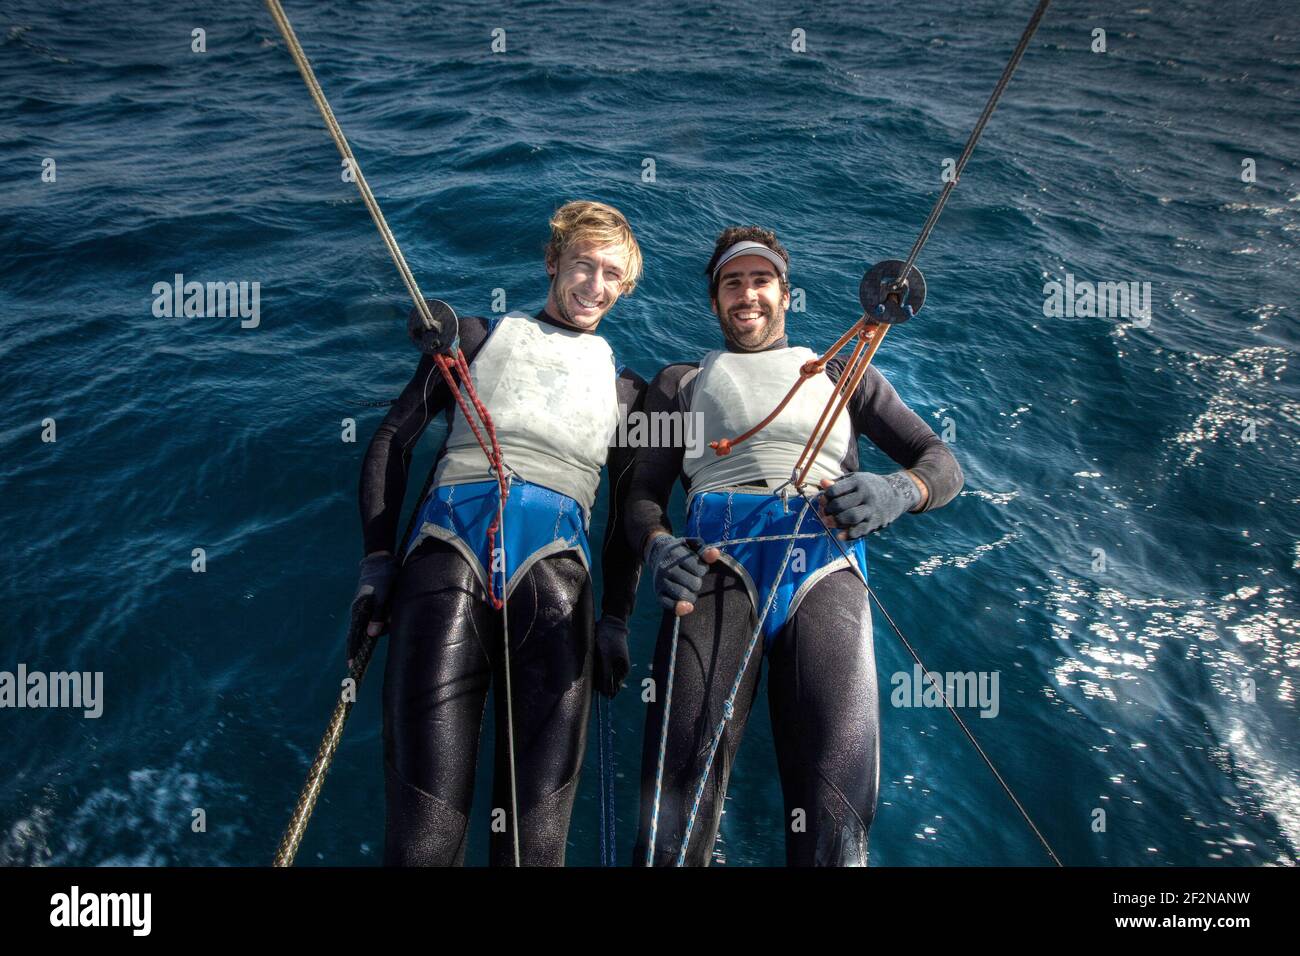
(554, 390)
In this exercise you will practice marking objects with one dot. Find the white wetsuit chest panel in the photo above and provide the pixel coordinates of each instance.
(734, 391)
(553, 398)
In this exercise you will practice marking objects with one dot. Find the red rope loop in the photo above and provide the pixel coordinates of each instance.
(868, 335)
(456, 363)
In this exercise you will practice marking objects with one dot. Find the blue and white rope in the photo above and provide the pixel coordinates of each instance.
(728, 707)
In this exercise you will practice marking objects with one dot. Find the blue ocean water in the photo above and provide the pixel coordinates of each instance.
(1124, 554)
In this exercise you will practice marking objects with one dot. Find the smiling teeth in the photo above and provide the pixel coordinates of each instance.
(583, 302)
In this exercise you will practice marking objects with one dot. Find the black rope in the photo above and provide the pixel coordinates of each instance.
(933, 218)
(946, 703)
(975, 136)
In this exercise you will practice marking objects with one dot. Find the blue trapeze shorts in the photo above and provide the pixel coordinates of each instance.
(729, 516)
(539, 522)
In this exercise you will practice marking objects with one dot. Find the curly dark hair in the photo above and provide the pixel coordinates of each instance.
(734, 234)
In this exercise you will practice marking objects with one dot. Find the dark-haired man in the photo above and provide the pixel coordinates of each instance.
(800, 594)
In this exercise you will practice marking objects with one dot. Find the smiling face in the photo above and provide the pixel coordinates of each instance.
(750, 303)
(586, 281)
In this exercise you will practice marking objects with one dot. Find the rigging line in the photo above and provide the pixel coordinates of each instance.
(899, 283)
(600, 759)
(921, 239)
(445, 365)
(847, 384)
(605, 755)
(610, 778)
(729, 705)
(510, 711)
(943, 695)
(663, 744)
(336, 132)
(975, 136)
(808, 453)
(372, 204)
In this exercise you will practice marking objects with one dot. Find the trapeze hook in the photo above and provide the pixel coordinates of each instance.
(888, 297)
(438, 338)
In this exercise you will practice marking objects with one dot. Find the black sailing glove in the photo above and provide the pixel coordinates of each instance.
(377, 574)
(862, 502)
(612, 661)
(678, 569)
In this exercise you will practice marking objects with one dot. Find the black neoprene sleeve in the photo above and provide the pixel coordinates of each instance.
(387, 464)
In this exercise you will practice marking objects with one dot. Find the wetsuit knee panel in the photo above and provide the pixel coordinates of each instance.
(420, 830)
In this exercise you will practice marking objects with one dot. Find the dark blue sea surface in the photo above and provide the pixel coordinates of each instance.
(1158, 686)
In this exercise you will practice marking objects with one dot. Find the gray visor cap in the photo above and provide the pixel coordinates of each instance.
(749, 248)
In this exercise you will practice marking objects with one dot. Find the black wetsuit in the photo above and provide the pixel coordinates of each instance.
(822, 675)
(445, 649)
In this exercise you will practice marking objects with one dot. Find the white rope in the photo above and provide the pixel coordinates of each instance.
(341, 141)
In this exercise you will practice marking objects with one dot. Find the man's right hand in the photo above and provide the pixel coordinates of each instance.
(678, 566)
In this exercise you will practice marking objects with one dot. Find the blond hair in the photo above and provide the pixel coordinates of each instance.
(585, 221)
